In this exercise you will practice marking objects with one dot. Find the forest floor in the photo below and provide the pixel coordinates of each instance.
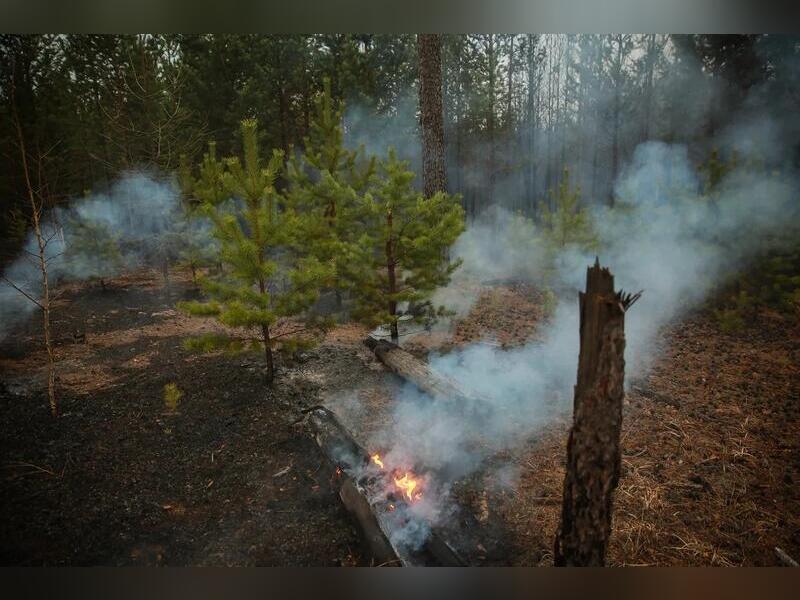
(115, 480)
(711, 442)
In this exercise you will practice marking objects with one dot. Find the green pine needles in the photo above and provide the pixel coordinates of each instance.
(401, 254)
(326, 187)
(344, 222)
(264, 283)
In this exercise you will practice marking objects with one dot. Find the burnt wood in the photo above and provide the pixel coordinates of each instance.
(355, 486)
(593, 447)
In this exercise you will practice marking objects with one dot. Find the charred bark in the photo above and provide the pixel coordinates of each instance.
(593, 448)
(372, 510)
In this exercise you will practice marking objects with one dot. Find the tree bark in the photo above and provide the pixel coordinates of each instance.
(593, 452)
(530, 171)
(490, 117)
(434, 177)
(364, 496)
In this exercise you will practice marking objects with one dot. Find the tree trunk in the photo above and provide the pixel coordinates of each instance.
(510, 81)
(392, 277)
(617, 108)
(36, 214)
(434, 178)
(593, 453)
(363, 493)
(262, 286)
(490, 122)
(530, 171)
(648, 90)
(268, 353)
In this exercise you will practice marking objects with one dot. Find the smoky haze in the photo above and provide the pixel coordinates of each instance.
(138, 211)
(668, 237)
(589, 109)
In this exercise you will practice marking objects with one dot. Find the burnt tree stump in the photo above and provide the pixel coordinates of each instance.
(593, 452)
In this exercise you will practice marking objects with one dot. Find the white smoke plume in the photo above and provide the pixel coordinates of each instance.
(138, 211)
(670, 240)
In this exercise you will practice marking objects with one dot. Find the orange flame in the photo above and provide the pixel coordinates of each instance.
(408, 484)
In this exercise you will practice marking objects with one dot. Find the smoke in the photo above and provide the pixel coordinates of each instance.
(670, 237)
(96, 236)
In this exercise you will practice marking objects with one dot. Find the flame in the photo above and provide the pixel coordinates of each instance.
(376, 458)
(408, 484)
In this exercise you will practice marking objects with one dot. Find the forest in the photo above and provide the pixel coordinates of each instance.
(305, 300)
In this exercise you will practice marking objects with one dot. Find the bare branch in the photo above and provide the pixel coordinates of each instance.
(21, 291)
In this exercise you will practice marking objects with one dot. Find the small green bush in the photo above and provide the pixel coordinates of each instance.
(172, 397)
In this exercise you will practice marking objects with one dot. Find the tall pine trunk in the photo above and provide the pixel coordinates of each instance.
(530, 171)
(434, 178)
(490, 124)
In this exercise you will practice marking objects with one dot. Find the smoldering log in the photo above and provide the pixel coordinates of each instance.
(408, 367)
(593, 447)
(371, 511)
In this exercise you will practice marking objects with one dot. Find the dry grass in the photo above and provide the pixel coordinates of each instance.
(709, 476)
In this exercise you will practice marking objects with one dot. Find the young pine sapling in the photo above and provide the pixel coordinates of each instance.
(264, 284)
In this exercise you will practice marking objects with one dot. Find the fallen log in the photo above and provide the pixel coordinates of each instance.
(405, 365)
(362, 491)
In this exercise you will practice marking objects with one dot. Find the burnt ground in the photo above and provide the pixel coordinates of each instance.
(117, 481)
(711, 452)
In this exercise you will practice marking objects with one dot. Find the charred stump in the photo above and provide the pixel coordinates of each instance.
(593, 448)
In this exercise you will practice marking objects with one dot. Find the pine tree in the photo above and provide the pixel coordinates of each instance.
(92, 250)
(567, 223)
(714, 170)
(265, 284)
(325, 184)
(400, 256)
(208, 188)
(198, 249)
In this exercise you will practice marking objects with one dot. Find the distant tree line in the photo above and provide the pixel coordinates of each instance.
(517, 109)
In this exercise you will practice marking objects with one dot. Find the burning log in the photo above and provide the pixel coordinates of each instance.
(593, 453)
(362, 486)
(404, 364)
